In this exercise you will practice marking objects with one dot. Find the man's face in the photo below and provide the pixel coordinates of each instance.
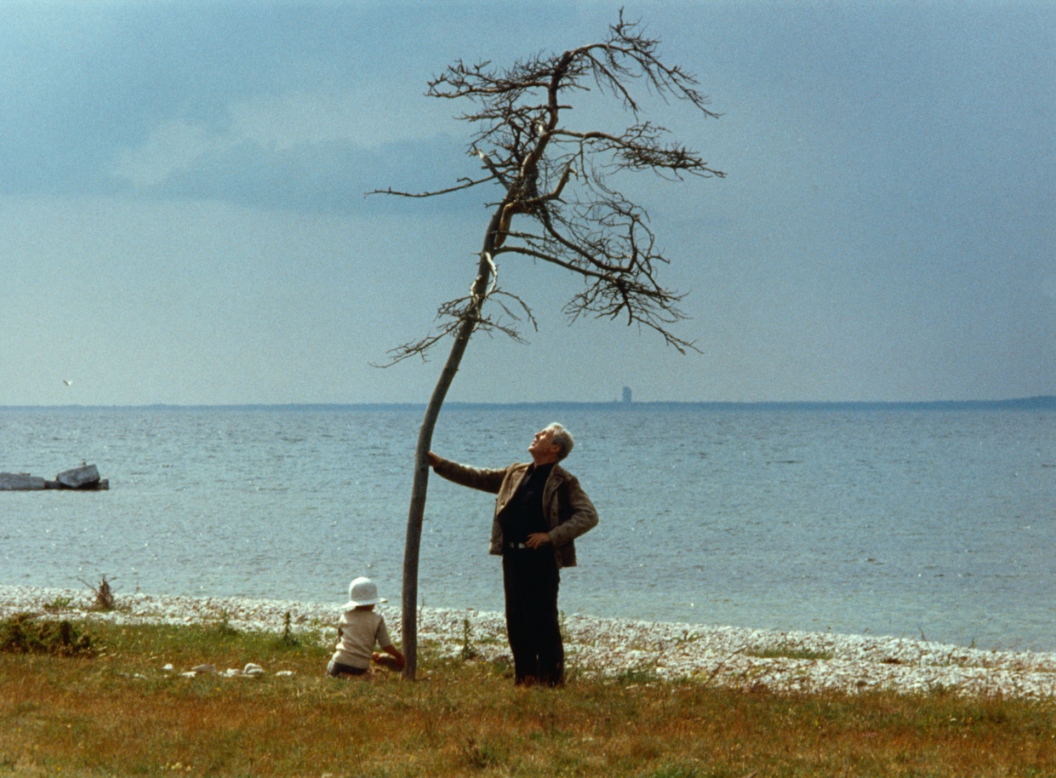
(542, 448)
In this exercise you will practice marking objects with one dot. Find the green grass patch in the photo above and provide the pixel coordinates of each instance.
(787, 651)
(59, 603)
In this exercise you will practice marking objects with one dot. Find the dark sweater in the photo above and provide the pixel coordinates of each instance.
(524, 513)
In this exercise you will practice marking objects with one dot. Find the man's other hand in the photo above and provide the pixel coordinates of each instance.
(537, 540)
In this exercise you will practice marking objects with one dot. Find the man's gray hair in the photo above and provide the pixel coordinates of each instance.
(563, 438)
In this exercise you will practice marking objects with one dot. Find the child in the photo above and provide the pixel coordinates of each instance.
(359, 629)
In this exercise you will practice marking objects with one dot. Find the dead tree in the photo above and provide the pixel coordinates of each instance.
(558, 200)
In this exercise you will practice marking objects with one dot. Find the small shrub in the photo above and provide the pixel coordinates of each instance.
(288, 639)
(24, 634)
(104, 596)
(58, 604)
(468, 651)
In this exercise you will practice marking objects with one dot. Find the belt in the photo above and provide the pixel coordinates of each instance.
(515, 545)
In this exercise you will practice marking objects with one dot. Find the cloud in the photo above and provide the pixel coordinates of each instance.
(183, 162)
(306, 150)
(171, 148)
(370, 114)
(136, 99)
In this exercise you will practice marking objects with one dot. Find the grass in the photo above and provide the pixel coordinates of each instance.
(117, 713)
(788, 652)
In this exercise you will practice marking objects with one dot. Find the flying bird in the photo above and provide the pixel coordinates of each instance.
(67, 382)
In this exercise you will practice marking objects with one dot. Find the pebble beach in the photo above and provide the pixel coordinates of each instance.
(748, 659)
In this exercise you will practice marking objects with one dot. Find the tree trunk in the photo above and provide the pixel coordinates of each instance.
(421, 459)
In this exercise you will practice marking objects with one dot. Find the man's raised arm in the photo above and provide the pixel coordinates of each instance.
(485, 479)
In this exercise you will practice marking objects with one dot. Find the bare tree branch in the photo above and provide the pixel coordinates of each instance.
(466, 184)
(453, 313)
(560, 177)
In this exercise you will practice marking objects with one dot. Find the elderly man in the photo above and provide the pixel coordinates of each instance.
(539, 510)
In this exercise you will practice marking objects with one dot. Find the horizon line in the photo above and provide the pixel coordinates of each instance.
(1037, 401)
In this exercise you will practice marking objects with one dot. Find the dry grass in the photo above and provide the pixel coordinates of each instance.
(119, 714)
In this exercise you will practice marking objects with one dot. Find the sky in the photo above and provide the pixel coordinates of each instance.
(183, 219)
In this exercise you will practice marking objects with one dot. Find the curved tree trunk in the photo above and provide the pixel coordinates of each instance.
(421, 460)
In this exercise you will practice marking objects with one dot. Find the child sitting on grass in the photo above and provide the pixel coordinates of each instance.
(359, 629)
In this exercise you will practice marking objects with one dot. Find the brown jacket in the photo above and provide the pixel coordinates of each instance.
(567, 509)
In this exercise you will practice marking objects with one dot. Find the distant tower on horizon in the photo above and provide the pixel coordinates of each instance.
(626, 395)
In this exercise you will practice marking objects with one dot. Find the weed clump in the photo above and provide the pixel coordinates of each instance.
(288, 639)
(58, 604)
(23, 633)
(468, 651)
(104, 596)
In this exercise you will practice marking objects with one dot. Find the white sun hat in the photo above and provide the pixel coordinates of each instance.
(362, 591)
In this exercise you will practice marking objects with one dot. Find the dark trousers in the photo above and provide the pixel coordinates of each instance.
(531, 579)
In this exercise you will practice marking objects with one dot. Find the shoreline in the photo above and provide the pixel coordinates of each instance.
(735, 657)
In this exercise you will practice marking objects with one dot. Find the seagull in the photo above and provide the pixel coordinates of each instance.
(67, 382)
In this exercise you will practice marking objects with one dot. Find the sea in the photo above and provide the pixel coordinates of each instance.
(933, 521)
